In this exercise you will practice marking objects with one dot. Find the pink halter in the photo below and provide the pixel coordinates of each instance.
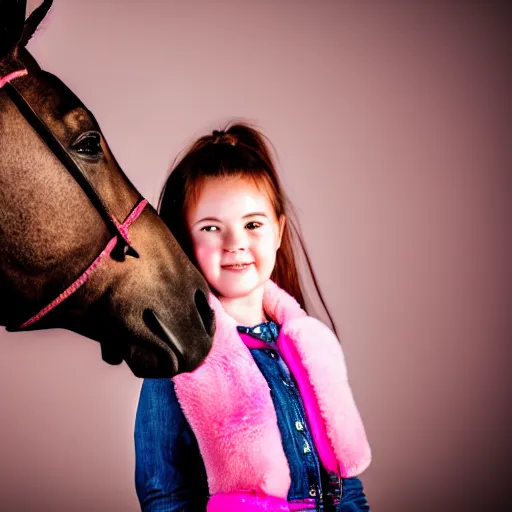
(92, 267)
(12, 76)
(122, 230)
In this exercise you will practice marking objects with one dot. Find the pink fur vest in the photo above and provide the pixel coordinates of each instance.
(228, 405)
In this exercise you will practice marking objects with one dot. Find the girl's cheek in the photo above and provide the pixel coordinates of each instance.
(210, 242)
(200, 246)
(205, 253)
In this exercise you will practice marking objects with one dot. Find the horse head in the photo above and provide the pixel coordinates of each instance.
(79, 248)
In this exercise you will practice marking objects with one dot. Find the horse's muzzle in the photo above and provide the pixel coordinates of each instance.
(166, 335)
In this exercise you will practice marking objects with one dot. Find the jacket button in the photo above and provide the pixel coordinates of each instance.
(299, 425)
(312, 491)
(306, 448)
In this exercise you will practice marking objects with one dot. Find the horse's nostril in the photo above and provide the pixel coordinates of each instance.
(205, 312)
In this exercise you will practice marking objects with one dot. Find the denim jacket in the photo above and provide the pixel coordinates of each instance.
(170, 473)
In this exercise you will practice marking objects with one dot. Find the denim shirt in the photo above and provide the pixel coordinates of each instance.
(169, 471)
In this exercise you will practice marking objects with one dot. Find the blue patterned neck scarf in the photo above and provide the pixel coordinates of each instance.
(266, 331)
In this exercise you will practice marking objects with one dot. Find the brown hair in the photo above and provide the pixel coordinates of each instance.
(238, 150)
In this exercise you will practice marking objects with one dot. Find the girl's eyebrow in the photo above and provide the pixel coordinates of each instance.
(207, 219)
(255, 214)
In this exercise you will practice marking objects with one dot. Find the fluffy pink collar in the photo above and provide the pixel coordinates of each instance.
(228, 405)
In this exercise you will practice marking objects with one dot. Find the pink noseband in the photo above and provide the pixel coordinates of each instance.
(92, 267)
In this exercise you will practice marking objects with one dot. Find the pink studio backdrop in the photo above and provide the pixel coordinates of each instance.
(387, 119)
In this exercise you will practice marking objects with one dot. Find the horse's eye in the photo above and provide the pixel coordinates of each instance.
(88, 144)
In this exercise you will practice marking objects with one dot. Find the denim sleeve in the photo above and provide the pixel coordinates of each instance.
(169, 470)
(353, 498)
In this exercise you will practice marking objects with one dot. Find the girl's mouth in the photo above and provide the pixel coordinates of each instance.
(236, 267)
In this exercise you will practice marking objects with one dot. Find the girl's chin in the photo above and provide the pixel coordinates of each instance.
(237, 292)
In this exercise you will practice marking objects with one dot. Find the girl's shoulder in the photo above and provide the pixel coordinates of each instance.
(311, 325)
(312, 334)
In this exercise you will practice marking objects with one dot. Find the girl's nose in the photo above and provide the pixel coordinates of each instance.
(235, 241)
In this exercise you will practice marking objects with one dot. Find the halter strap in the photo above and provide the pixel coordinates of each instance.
(57, 148)
(121, 229)
(11, 76)
(92, 267)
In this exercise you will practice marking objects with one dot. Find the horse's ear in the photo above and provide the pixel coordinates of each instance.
(33, 22)
(12, 19)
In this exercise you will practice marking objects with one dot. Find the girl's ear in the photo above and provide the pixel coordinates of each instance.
(282, 223)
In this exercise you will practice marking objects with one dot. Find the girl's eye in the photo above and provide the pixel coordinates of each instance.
(209, 228)
(253, 225)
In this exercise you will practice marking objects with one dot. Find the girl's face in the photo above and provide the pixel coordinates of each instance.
(235, 235)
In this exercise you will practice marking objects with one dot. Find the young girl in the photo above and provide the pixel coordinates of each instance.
(268, 421)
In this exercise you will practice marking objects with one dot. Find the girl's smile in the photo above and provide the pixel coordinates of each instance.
(237, 267)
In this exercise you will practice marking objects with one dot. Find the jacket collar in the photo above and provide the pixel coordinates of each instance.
(228, 404)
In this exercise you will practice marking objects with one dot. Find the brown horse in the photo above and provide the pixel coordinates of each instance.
(79, 248)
